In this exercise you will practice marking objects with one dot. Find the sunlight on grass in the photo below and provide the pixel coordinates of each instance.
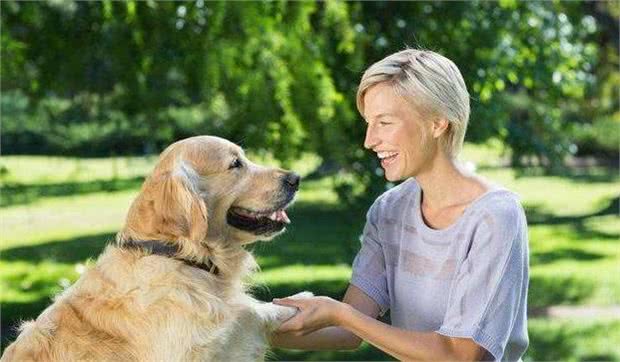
(304, 273)
(46, 169)
(49, 169)
(554, 194)
(20, 284)
(64, 217)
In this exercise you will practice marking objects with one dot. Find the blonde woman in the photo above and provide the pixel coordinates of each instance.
(445, 251)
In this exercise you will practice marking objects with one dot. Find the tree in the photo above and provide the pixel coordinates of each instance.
(111, 77)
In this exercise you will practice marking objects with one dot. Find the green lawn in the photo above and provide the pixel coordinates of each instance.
(56, 213)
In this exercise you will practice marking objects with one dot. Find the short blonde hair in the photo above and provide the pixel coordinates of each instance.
(430, 82)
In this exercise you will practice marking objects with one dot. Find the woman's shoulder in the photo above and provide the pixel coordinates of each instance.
(500, 210)
(498, 200)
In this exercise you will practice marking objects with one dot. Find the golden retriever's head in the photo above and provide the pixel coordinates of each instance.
(205, 188)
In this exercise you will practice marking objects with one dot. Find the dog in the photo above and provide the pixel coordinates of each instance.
(171, 286)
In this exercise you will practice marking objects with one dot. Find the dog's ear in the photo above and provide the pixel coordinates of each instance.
(178, 209)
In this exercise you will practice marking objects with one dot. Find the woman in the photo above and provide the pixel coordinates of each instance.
(445, 251)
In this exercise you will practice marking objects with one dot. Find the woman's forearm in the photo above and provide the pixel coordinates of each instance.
(404, 344)
(330, 338)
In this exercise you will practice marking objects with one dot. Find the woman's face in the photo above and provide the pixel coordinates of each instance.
(398, 134)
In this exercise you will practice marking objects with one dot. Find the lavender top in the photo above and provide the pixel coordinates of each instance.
(468, 280)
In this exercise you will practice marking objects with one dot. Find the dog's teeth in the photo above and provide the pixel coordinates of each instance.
(284, 217)
(274, 216)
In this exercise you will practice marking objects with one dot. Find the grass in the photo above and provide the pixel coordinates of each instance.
(56, 213)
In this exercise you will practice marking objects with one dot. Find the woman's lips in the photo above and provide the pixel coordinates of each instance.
(388, 160)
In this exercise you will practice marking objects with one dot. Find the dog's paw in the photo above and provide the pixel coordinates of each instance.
(274, 314)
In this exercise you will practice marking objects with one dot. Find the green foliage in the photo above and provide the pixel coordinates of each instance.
(100, 78)
(138, 75)
(601, 136)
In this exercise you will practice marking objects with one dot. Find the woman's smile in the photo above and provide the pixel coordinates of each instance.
(387, 158)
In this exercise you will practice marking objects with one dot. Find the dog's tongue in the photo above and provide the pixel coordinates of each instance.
(281, 215)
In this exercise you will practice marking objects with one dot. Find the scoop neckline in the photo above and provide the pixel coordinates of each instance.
(427, 229)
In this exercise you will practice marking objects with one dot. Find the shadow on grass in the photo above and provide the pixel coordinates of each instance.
(317, 235)
(553, 340)
(330, 288)
(546, 291)
(20, 194)
(63, 251)
(559, 254)
(364, 353)
(536, 215)
(15, 313)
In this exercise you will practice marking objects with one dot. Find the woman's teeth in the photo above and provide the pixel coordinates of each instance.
(386, 154)
(387, 157)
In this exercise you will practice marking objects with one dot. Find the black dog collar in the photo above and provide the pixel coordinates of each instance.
(157, 247)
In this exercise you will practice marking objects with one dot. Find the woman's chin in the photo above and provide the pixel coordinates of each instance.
(394, 171)
(392, 176)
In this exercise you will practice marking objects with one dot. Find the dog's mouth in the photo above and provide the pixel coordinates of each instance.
(258, 222)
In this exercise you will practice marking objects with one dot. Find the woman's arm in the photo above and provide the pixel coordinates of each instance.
(320, 312)
(331, 338)
(409, 345)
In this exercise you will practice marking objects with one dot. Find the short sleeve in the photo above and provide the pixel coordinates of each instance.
(491, 282)
(369, 272)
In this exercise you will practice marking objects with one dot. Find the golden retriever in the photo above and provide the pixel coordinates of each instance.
(171, 287)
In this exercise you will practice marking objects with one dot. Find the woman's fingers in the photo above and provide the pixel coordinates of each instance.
(294, 324)
(288, 302)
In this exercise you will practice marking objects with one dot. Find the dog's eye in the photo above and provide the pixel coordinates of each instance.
(235, 164)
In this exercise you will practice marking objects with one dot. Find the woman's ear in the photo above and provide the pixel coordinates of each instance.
(439, 127)
(178, 208)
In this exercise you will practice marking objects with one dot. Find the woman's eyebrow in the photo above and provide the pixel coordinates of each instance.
(381, 115)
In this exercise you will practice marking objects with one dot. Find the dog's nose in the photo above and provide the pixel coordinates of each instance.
(292, 180)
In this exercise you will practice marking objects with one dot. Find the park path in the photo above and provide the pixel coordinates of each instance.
(577, 311)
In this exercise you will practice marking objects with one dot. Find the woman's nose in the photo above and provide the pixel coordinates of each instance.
(371, 139)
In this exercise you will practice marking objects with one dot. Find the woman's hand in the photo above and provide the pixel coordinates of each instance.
(314, 313)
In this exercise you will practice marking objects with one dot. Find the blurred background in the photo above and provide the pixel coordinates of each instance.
(91, 92)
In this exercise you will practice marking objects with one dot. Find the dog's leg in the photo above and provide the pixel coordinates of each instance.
(273, 315)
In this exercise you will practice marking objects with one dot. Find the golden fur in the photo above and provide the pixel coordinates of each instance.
(136, 306)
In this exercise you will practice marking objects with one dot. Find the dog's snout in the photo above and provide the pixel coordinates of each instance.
(292, 180)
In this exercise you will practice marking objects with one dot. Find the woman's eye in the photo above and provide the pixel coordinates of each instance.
(385, 123)
(236, 164)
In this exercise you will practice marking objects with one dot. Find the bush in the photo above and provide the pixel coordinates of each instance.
(600, 138)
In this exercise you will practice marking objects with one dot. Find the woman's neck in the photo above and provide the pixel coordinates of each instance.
(444, 184)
